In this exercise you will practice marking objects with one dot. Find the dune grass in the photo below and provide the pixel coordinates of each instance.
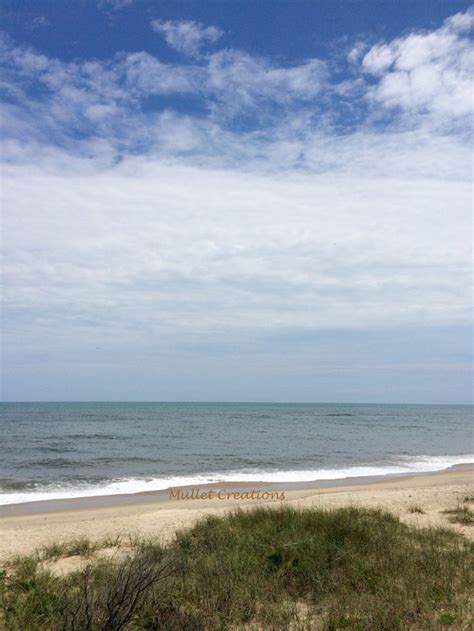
(280, 568)
(416, 509)
(82, 546)
(462, 514)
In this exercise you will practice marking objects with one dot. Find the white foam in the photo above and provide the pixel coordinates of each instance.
(403, 465)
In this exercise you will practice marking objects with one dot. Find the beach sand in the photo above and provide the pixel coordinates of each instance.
(23, 529)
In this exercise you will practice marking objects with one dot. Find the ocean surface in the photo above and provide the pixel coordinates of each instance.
(60, 450)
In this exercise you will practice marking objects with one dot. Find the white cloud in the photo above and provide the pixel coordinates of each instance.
(146, 75)
(241, 81)
(186, 36)
(69, 96)
(425, 76)
(428, 72)
(378, 59)
(115, 5)
(461, 22)
(38, 22)
(355, 53)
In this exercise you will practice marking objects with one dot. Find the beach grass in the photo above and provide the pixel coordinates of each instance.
(81, 546)
(77, 547)
(350, 568)
(462, 514)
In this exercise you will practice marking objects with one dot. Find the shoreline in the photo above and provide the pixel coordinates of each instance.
(164, 495)
(150, 516)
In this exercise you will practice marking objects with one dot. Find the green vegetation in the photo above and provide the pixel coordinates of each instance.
(82, 547)
(461, 515)
(416, 509)
(350, 568)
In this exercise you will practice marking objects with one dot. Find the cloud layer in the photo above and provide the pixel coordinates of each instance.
(157, 207)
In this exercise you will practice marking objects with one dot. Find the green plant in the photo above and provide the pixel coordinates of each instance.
(266, 568)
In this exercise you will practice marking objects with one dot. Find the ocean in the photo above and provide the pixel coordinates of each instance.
(63, 450)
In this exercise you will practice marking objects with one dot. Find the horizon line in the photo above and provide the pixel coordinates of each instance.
(216, 402)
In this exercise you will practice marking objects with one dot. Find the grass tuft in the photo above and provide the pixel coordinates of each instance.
(82, 546)
(416, 509)
(461, 515)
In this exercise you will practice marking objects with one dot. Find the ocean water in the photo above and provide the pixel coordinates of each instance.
(60, 450)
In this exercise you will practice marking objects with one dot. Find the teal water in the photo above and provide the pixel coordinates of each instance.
(53, 450)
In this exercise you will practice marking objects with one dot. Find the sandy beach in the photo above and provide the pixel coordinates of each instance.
(24, 528)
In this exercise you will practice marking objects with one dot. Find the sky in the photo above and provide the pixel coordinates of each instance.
(236, 200)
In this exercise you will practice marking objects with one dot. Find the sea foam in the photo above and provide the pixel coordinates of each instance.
(124, 486)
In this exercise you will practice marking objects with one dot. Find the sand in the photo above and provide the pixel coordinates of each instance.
(25, 532)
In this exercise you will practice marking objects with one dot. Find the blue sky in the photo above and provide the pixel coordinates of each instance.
(236, 200)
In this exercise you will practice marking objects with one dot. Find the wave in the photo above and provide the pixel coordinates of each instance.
(339, 414)
(125, 486)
